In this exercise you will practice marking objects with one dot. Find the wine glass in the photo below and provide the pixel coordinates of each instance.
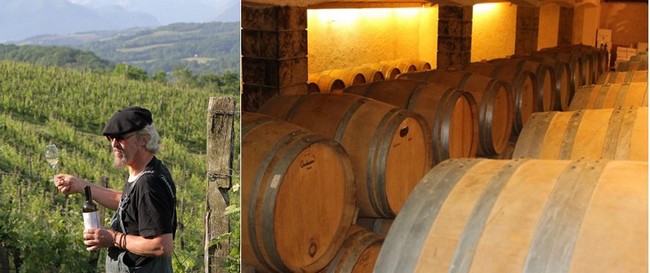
(52, 155)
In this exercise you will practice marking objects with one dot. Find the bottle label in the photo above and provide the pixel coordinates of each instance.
(91, 220)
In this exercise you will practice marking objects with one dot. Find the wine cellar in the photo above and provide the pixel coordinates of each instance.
(444, 136)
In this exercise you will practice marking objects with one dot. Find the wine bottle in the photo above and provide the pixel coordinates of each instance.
(91, 216)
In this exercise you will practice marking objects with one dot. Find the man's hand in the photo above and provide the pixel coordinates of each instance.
(68, 184)
(96, 238)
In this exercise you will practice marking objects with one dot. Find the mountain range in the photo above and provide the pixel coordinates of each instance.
(21, 19)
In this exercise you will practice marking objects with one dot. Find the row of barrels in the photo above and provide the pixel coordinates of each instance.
(508, 216)
(299, 208)
(335, 80)
(317, 167)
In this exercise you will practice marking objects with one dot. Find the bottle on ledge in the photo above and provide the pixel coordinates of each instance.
(91, 216)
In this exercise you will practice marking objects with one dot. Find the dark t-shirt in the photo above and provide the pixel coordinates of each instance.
(151, 209)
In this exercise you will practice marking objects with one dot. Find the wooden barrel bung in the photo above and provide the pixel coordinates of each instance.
(297, 198)
(620, 133)
(481, 215)
(493, 97)
(390, 147)
(451, 114)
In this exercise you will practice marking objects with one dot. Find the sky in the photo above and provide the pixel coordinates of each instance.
(168, 11)
(21, 19)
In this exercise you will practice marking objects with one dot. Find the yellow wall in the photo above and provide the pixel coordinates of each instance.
(493, 31)
(428, 49)
(340, 38)
(585, 24)
(549, 19)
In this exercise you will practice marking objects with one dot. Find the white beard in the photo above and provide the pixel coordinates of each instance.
(119, 160)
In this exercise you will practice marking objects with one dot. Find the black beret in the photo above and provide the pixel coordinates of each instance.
(129, 119)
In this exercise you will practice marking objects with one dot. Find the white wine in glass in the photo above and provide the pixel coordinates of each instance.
(52, 155)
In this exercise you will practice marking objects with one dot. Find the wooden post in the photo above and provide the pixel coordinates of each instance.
(220, 125)
(4, 260)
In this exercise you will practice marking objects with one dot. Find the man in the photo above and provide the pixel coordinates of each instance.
(142, 230)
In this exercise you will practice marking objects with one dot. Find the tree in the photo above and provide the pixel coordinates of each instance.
(129, 72)
(160, 77)
(184, 77)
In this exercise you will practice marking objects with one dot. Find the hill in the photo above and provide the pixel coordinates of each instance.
(54, 56)
(201, 47)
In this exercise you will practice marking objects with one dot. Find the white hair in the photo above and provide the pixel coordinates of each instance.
(153, 145)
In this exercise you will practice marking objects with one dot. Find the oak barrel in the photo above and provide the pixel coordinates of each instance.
(450, 113)
(574, 62)
(369, 74)
(493, 97)
(298, 196)
(636, 62)
(590, 58)
(389, 70)
(421, 65)
(326, 82)
(624, 77)
(524, 88)
(620, 133)
(563, 86)
(348, 76)
(545, 79)
(390, 147)
(610, 96)
(358, 253)
(404, 66)
(523, 215)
